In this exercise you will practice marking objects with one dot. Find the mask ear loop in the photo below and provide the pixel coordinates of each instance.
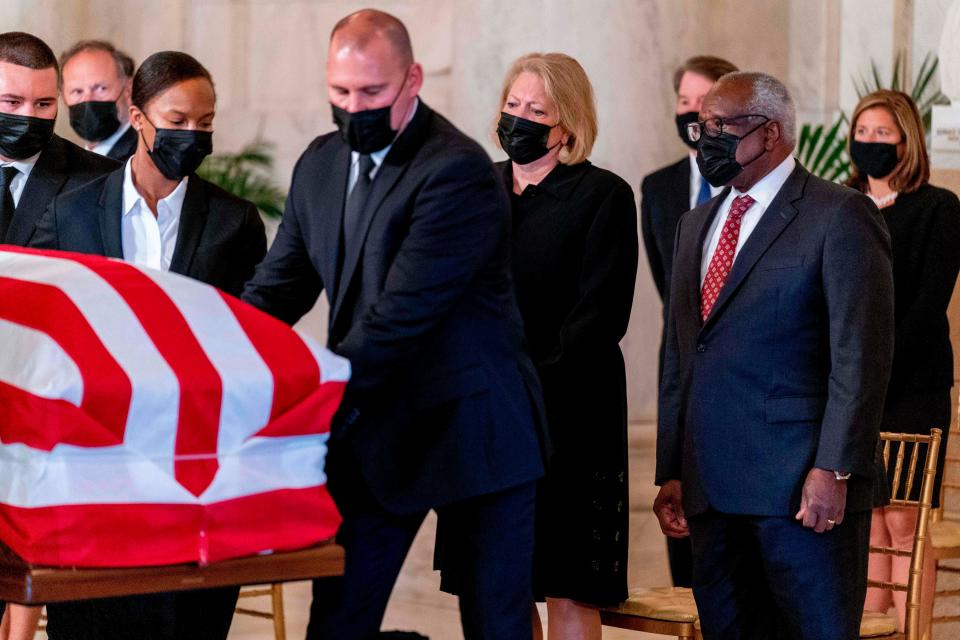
(759, 155)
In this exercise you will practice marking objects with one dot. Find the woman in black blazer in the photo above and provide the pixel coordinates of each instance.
(575, 253)
(891, 166)
(155, 212)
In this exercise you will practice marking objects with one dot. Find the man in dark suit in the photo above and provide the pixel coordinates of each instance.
(779, 345)
(36, 164)
(665, 195)
(404, 222)
(96, 88)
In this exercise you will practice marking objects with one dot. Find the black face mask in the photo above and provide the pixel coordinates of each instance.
(179, 152)
(367, 131)
(524, 141)
(94, 120)
(717, 157)
(683, 119)
(876, 159)
(23, 136)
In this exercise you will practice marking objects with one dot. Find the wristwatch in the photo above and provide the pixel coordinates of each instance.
(840, 475)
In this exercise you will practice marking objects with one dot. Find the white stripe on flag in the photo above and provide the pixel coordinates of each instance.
(24, 348)
(115, 475)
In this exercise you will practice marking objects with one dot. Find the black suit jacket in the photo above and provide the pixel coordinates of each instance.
(440, 406)
(790, 369)
(62, 166)
(124, 147)
(664, 197)
(220, 240)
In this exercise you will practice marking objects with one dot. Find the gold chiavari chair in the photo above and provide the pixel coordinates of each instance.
(275, 591)
(945, 537)
(906, 451)
(673, 612)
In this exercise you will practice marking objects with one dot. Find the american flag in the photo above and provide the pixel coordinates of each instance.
(147, 419)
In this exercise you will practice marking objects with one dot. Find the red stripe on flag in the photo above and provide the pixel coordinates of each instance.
(128, 535)
(42, 423)
(201, 390)
(284, 353)
(106, 388)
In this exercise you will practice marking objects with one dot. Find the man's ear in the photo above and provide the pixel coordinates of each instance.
(773, 135)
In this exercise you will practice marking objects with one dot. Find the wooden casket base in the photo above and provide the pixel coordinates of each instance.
(27, 584)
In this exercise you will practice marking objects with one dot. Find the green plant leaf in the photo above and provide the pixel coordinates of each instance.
(247, 174)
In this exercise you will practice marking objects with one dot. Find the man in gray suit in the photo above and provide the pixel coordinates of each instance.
(779, 344)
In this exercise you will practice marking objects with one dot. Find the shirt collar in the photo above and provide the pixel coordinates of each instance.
(23, 166)
(766, 189)
(103, 147)
(132, 197)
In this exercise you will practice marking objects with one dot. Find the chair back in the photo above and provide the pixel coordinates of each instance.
(914, 460)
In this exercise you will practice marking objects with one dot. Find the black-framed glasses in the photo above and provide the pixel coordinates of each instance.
(713, 127)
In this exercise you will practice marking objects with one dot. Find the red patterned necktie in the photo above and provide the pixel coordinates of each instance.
(722, 260)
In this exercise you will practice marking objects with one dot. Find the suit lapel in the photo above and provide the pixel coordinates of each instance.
(111, 212)
(394, 165)
(693, 265)
(335, 196)
(193, 218)
(43, 184)
(775, 219)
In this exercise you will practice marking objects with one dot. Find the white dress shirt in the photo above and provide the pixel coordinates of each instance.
(23, 167)
(376, 156)
(150, 240)
(696, 179)
(763, 193)
(103, 147)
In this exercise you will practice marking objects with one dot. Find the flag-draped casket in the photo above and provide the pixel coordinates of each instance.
(149, 419)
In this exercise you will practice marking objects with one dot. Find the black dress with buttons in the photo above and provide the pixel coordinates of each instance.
(575, 253)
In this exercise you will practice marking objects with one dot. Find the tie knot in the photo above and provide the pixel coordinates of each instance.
(740, 206)
(366, 165)
(7, 174)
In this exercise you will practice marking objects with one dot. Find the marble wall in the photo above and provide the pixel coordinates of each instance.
(267, 57)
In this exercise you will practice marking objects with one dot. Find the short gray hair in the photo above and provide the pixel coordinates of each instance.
(769, 97)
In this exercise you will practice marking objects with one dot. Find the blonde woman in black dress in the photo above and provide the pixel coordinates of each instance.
(574, 265)
(891, 166)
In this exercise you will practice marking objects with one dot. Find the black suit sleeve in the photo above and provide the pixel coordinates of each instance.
(45, 235)
(607, 278)
(669, 427)
(649, 238)
(251, 246)
(857, 279)
(935, 279)
(285, 284)
(459, 218)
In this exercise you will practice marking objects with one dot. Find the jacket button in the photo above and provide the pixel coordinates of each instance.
(701, 348)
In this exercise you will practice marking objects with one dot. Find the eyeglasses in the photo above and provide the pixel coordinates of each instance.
(713, 127)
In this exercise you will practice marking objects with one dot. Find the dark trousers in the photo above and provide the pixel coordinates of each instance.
(485, 555)
(769, 578)
(187, 615)
(680, 555)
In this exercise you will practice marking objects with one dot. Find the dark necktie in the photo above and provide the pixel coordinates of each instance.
(7, 175)
(704, 193)
(356, 199)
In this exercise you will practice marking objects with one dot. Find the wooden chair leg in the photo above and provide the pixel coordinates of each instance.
(279, 622)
